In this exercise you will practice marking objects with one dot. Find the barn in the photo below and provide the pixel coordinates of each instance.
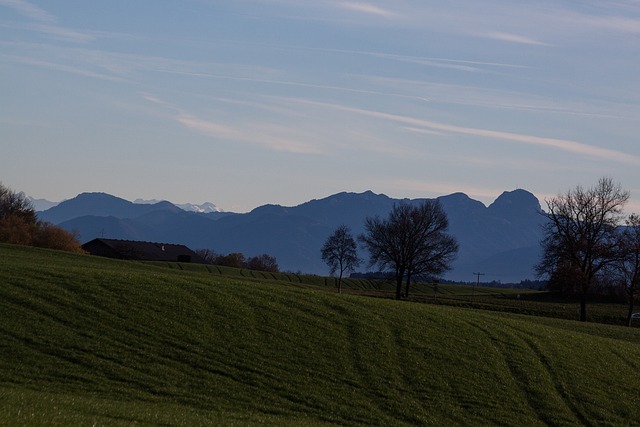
(141, 251)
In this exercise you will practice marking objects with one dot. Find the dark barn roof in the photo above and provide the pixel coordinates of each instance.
(143, 251)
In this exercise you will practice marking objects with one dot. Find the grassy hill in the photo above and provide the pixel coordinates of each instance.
(90, 341)
(522, 301)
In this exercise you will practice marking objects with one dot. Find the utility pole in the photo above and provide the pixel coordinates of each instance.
(477, 283)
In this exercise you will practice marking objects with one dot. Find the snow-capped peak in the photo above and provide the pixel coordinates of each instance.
(206, 207)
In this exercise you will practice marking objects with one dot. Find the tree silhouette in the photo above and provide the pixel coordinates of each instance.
(340, 253)
(264, 262)
(413, 240)
(581, 238)
(628, 267)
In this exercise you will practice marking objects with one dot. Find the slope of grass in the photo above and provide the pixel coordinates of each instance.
(87, 341)
(522, 301)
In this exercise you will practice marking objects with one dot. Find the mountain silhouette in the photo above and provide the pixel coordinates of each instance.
(100, 204)
(501, 240)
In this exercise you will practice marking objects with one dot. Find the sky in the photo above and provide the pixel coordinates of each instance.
(248, 102)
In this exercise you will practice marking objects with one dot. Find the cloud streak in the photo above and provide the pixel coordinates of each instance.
(513, 38)
(555, 143)
(267, 136)
(29, 10)
(621, 24)
(44, 22)
(368, 9)
(80, 71)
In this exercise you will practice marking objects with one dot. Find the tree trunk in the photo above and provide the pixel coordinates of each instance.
(399, 275)
(340, 283)
(631, 301)
(406, 293)
(583, 307)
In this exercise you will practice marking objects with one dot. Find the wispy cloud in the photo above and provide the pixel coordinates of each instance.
(44, 22)
(77, 70)
(555, 143)
(368, 8)
(62, 33)
(513, 38)
(29, 10)
(422, 131)
(478, 96)
(267, 136)
(439, 62)
(623, 24)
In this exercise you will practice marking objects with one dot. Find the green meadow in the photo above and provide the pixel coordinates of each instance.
(91, 341)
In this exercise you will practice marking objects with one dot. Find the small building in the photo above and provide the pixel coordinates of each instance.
(141, 251)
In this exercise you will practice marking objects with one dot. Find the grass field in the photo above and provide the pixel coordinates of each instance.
(90, 341)
(521, 301)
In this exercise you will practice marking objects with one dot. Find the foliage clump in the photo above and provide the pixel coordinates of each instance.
(263, 262)
(19, 225)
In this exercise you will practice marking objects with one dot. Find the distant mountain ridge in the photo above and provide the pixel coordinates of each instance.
(99, 204)
(501, 240)
(41, 205)
(206, 207)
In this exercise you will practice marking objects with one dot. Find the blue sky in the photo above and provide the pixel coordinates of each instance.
(248, 102)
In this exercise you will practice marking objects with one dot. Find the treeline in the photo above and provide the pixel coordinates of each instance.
(19, 225)
(264, 262)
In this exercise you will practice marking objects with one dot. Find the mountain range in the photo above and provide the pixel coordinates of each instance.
(206, 207)
(500, 240)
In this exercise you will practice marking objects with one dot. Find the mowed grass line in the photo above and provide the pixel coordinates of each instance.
(88, 341)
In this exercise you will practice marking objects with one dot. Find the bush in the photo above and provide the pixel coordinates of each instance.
(54, 237)
(19, 225)
(16, 230)
(263, 262)
(234, 259)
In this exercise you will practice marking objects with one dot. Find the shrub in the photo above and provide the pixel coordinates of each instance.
(263, 262)
(53, 237)
(19, 225)
(16, 230)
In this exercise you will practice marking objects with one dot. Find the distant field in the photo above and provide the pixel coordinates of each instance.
(90, 341)
(520, 301)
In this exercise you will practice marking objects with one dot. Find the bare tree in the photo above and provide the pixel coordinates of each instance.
(435, 259)
(13, 204)
(264, 262)
(628, 267)
(411, 241)
(233, 259)
(340, 253)
(209, 255)
(580, 238)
